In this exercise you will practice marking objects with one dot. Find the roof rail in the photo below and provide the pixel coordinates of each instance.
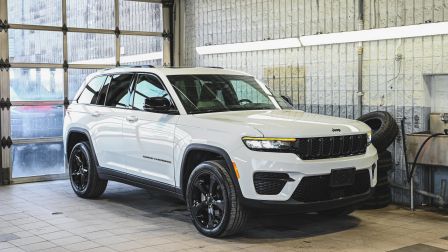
(218, 67)
(141, 66)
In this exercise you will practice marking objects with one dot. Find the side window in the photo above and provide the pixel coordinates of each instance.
(103, 92)
(147, 86)
(90, 94)
(119, 91)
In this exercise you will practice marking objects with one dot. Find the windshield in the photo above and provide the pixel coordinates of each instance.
(214, 93)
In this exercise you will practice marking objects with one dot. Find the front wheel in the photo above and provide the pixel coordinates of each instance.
(212, 200)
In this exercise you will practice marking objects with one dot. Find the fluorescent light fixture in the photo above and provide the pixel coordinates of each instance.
(409, 31)
(123, 59)
(249, 46)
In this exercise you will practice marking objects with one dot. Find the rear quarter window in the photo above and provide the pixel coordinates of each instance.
(90, 93)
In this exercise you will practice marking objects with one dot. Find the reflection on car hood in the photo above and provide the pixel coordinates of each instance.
(289, 123)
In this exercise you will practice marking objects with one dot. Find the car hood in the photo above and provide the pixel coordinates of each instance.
(289, 123)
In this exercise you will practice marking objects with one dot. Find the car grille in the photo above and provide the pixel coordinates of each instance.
(317, 188)
(330, 147)
(270, 183)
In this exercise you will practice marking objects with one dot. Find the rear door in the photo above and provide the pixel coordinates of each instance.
(113, 100)
(148, 137)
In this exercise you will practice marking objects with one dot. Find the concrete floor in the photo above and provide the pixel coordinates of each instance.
(49, 217)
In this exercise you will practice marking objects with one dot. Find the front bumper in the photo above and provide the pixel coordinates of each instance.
(250, 162)
(301, 207)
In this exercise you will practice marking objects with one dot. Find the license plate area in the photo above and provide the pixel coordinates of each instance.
(342, 177)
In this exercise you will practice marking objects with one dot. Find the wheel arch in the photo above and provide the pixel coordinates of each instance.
(207, 152)
(76, 135)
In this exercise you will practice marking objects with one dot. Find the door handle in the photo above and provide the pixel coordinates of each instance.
(131, 119)
(95, 114)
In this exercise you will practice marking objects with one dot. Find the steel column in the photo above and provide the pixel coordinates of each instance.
(5, 128)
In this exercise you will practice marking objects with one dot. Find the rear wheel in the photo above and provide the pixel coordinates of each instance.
(212, 200)
(83, 175)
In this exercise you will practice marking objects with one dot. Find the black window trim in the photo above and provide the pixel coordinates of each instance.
(131, 102)
(87, 87)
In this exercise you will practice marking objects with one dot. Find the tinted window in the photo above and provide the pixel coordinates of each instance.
(90, 93)
(103, 92)
(212, 93)
(119, 91)
(147, 86)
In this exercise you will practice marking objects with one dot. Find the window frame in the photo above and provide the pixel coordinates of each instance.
(174, 111)
(133, 79)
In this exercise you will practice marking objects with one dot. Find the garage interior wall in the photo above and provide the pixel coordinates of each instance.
(47, 48)
(324, 79)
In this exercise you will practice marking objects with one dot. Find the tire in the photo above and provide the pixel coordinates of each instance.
(343, 211)
(384, 128)
(83, 174)
(217, 199)
(385, 158)
(382, 181)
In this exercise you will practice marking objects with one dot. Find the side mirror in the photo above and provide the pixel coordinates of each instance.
(157, 104)
(287, 99)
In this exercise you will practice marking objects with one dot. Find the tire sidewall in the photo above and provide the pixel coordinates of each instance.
(83, 146)
(210, 167)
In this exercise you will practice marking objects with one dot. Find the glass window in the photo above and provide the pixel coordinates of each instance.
(103, 92)
(35, 46)
(75, 79)
(212, 93)
(36, 84)
(149, 16)
(119, 91)
(147, 86)
(91, 14)
(36, 12)
(37, 159)
(36, 121)
(143, 50)
(90, 94)
(91, 48)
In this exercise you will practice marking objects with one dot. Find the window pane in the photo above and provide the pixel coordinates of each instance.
(90, 94)
(36, 12)
(91, 48)
(37, 159)
(36, 121)
(75, 78)
(103, 92)
(35, 46)
(36, 84)
(149, 16)
(141, 50)
(147, 86)
(119, 91)
(91, 14)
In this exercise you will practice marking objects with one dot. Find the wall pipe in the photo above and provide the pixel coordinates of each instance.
(360, 55)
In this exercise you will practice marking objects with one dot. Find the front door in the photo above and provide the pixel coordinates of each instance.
(148, 137)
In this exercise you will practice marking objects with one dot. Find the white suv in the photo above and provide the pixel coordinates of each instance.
(219, 139)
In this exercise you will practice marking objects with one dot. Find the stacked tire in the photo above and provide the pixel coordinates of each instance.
(384, 131)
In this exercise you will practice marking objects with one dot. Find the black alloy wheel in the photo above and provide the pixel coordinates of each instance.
(79, 167)
(213, 201)
(209, 205)
(83, 174)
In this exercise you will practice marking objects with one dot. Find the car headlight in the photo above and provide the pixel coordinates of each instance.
(369, 137)
(269, 143)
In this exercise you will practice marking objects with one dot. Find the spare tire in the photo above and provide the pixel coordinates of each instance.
(384, 128)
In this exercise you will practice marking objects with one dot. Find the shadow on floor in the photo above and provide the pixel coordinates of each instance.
(264, 226)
